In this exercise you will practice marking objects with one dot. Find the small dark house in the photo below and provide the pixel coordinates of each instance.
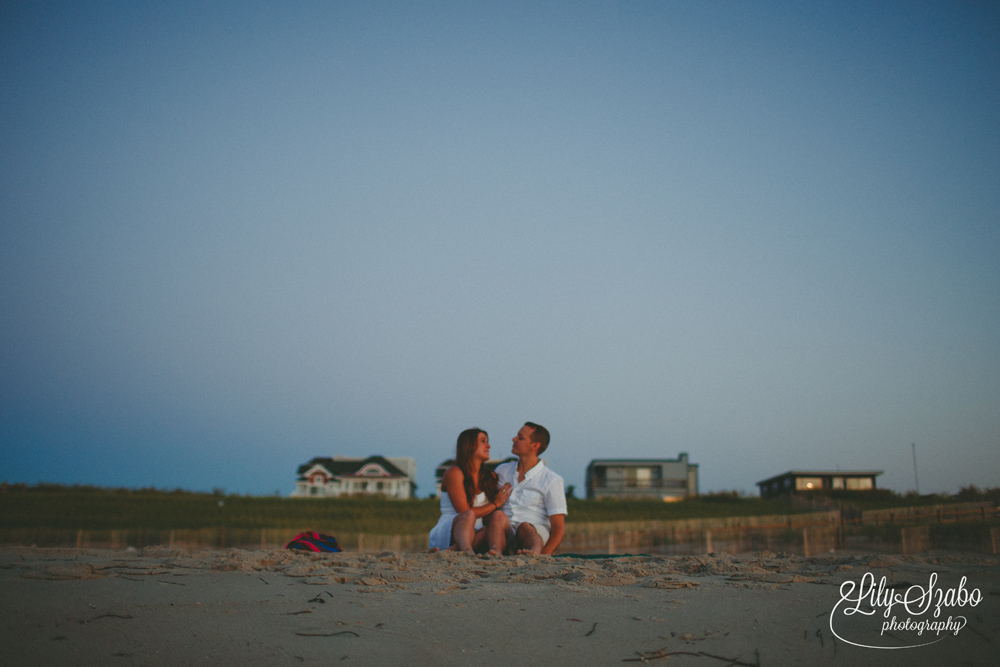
(809, 481)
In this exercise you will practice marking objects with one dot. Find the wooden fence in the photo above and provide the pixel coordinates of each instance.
(899, 531)
(796, 533)
(203, 538)
(928, 514)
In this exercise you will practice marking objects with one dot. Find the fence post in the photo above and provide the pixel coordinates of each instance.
(708, 541)
(79, 539)
(361, 541)
(611, 543)
(805, 542)
(995, 538)
(902, 538)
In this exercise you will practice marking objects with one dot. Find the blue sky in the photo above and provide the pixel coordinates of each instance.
(235, 236)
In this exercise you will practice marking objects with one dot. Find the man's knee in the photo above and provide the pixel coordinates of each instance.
(525, 531)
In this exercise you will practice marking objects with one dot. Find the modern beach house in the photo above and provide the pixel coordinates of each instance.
(662, 479)
(810, 481)
(393, 477)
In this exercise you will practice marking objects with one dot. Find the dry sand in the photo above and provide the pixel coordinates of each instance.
(168, 607)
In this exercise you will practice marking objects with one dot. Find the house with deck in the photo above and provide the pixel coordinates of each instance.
(660, 479)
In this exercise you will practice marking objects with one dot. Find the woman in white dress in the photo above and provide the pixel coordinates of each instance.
(469, 494)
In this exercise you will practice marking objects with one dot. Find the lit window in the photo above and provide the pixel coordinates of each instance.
(808, 483)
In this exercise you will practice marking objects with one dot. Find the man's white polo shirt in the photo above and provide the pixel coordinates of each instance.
(536, 498)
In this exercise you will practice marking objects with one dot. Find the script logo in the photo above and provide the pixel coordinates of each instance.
(921, 606)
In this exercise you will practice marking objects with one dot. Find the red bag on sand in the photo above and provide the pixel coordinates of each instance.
(313, 541)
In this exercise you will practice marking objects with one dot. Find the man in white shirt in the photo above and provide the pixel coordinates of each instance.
(535, 513)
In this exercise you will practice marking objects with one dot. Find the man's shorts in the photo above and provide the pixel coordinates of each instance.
(542, 531)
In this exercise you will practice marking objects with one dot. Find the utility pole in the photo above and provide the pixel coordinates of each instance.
(916, 479)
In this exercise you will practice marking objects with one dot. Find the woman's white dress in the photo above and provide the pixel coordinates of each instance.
(441, 533)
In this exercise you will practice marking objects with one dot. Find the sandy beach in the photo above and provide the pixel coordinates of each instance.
(158, 606)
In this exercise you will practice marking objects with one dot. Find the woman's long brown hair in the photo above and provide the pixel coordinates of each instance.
(464, 449)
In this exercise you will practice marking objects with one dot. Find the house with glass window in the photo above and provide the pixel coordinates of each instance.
(808, 481)
(439, 473)
(661, 479)
(336, 476)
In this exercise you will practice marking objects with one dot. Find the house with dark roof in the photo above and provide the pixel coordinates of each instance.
(336, 476)
(812, 481)
(439, 473)
(662, 479)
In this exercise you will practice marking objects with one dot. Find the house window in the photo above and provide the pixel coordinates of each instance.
(364, 486)
(808, 483)
(378, 486)
(838, 482)
(313, 490)
(859, 483)
(638, 478)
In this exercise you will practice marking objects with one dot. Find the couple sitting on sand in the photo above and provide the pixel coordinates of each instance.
(520, 508)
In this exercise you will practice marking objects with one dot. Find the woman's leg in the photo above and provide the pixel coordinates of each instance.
(496, 532)
(463, 530)
(480, 543)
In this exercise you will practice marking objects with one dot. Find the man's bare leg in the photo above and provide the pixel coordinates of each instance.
(527, 540)
(496, 532)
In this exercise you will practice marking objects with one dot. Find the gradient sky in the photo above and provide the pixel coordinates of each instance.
(238, 235)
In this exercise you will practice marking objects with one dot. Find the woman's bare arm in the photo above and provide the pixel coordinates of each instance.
(453, 483)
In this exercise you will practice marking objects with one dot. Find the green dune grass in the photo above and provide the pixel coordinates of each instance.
(91, 508)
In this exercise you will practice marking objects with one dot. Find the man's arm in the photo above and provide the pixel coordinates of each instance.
(557, 528)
